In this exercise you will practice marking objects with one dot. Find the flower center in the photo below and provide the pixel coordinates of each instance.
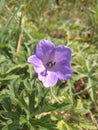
(50, 64)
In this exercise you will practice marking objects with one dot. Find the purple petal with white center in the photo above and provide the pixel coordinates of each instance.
(63, 53)
(49, 80)
(51, 63)
(63, 70)
(38, 65)
(44, 49)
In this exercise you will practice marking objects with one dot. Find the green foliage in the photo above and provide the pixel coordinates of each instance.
(24, 103)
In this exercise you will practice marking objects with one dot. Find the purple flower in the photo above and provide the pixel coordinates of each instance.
(51, 62)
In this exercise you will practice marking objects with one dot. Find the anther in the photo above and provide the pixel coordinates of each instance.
(50, 64)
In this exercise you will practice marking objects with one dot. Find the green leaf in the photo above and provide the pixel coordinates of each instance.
(6, 104)
(88, 125)
(9, 20)
(12, 115)
(61, 125)
(14, 125)
(32, 102)
(15, 67)
(2, 58)
(8, 77)
(92, 89)
(97, 10)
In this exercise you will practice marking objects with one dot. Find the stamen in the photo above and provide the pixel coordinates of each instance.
(44, 73)
(53, 63)
(50, 64)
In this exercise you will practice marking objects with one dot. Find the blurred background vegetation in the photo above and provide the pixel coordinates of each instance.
(24, 103)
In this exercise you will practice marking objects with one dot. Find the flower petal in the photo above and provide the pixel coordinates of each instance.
(63, 53)
(38, 65)
(63, 70)
(44, 48)
(49, 80)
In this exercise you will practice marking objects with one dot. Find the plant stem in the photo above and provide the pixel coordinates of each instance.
(52, 94)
